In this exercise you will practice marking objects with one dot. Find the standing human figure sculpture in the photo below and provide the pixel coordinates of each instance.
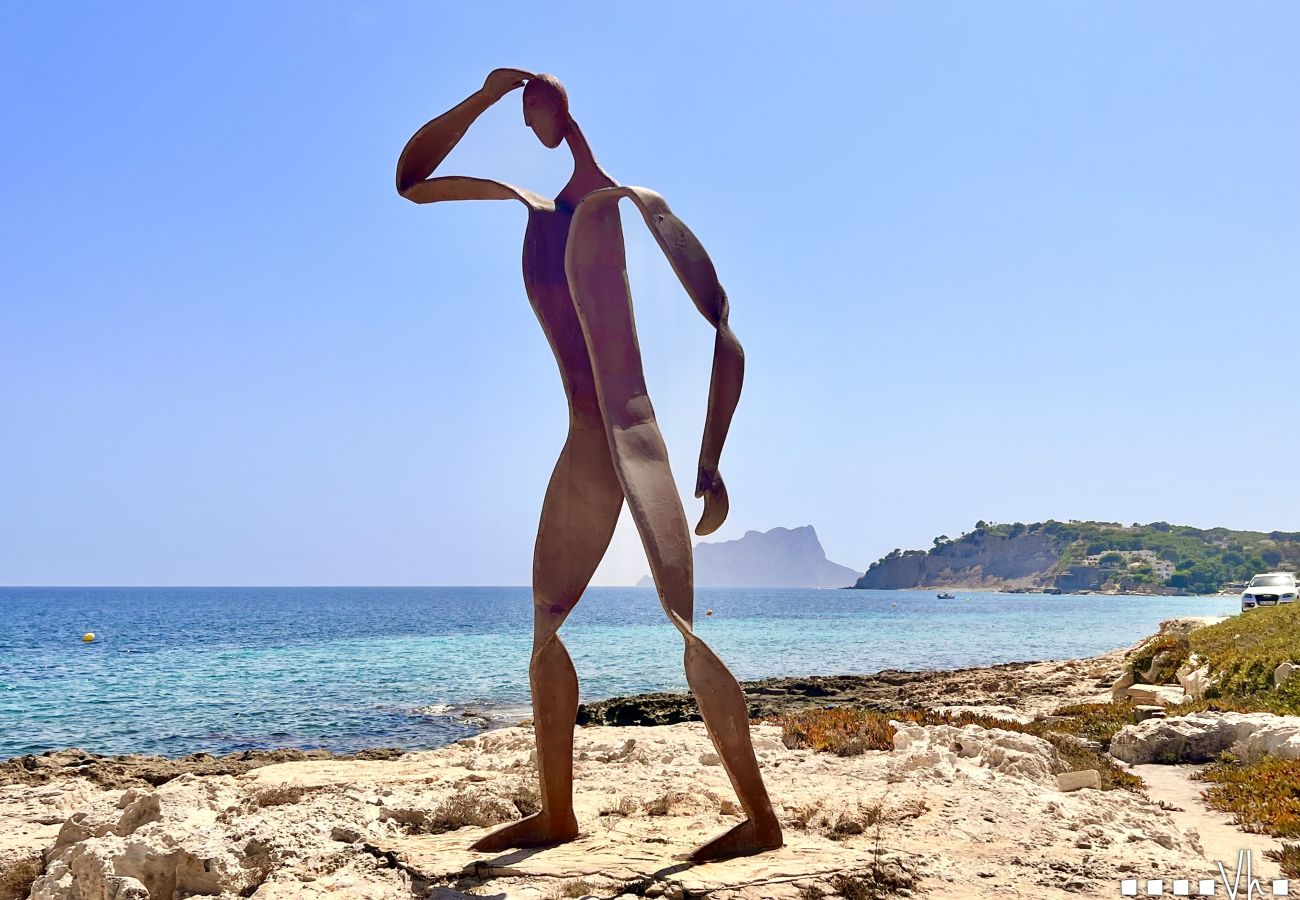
(575, 275)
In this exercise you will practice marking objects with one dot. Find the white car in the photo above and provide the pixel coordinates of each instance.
(1269, 590)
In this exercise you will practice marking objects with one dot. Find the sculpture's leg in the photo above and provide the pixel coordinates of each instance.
(597, 271)
(642, 462)
(578, 518)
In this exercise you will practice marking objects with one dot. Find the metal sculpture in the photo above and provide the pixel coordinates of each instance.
(575, 275)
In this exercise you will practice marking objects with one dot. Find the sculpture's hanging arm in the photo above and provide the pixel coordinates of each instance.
(429, 146)
(695, 271)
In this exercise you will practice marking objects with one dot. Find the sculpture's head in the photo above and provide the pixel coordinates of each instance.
(546, 109)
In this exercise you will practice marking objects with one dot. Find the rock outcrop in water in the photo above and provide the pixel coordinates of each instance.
(782, 557)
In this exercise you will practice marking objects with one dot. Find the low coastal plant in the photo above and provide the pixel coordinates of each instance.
(1263, 795)
(1094, 721)
(1243, 652)
(1158, 660)
(843, 730)
(1288, 858)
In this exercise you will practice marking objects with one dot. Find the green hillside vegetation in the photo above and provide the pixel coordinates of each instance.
(1205, 559)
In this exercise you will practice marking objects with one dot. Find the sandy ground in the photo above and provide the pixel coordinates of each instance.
(1220, 839)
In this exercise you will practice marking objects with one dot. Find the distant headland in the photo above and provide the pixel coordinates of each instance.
(781, 557)
(1074, 556)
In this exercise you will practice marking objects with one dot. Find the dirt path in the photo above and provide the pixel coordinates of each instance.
(1219, 837)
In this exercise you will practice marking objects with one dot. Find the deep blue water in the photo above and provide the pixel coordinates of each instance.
(181, 670)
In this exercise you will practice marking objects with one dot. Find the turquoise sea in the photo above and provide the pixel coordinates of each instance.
(181, 670)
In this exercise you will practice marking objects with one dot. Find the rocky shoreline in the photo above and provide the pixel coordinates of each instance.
(137, 770)
(970, 812)
(1032, 688)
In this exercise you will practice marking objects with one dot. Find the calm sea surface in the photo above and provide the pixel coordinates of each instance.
(181, 670)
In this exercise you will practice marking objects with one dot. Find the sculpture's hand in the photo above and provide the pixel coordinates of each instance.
(709, 486)
(502, 81)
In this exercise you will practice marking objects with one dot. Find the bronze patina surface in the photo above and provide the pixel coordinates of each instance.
(575, 275)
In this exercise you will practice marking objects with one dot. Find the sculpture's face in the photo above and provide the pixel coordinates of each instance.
(545, 112)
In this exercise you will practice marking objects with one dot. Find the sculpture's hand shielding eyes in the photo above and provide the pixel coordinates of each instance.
(716, 505)
(502, 81)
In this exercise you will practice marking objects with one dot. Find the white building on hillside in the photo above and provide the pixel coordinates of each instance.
(1130, 556)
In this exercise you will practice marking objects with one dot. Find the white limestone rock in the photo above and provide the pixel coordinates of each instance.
(945, 747)
(1076, 781)
(1194, 677)
(1201, 737)
(1156, 694)
(1119, 689)
(1185, 625)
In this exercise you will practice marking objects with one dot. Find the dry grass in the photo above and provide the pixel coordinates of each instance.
(526, 798)
(880, 881)
(625, 807)
(663, 805)
(840, 824)
(1263, 796)
(17, 877)
(265, 797)
(464, 810)
(281, 795)
(1078, 756)
(573, 889)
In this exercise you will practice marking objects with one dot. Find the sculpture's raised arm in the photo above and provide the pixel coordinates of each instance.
(695, 271)
(429, 146)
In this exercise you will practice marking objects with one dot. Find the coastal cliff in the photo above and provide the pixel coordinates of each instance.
(978, 560)
(1157, 558)
(781, 557)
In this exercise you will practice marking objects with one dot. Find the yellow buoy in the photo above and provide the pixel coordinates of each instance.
(708, 612)
(88, 636)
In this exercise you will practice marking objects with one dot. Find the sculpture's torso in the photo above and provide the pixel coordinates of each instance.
(547, 287)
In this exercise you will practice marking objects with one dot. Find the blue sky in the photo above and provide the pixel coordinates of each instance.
(1008, 261)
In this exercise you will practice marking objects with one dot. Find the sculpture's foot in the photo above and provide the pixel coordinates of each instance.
(745, 839)
(538, 830)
